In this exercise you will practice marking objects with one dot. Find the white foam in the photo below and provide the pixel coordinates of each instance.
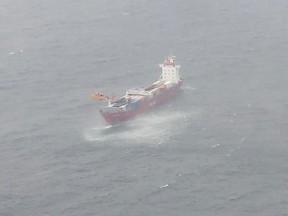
(164, 186)
(214, 146)
(148, 128)
(187, 87)
(13, 53)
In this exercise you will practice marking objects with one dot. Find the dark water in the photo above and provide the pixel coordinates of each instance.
(220, 148)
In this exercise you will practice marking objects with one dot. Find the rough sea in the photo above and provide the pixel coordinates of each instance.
(219, 149)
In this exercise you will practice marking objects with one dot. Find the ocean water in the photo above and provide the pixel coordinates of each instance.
(220, 148)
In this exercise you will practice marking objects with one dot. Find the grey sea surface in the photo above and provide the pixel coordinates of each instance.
(219, 148)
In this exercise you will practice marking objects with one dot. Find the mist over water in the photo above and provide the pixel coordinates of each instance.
(219, 148)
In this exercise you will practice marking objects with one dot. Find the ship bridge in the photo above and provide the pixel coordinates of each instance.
(170, 70)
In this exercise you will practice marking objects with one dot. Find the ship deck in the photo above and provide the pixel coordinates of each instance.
(136, 94)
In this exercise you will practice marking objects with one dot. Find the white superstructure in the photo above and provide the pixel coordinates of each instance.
(170, 70)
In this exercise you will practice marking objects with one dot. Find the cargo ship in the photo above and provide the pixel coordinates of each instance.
(139, 100)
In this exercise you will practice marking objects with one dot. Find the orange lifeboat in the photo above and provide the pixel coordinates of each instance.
(100, 97)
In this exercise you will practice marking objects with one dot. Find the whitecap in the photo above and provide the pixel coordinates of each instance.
(214, 146)
(164, 186)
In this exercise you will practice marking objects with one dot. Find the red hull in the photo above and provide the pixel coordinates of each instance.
(113, 118)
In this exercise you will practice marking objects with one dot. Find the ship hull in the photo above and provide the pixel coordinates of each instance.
(116, 117)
